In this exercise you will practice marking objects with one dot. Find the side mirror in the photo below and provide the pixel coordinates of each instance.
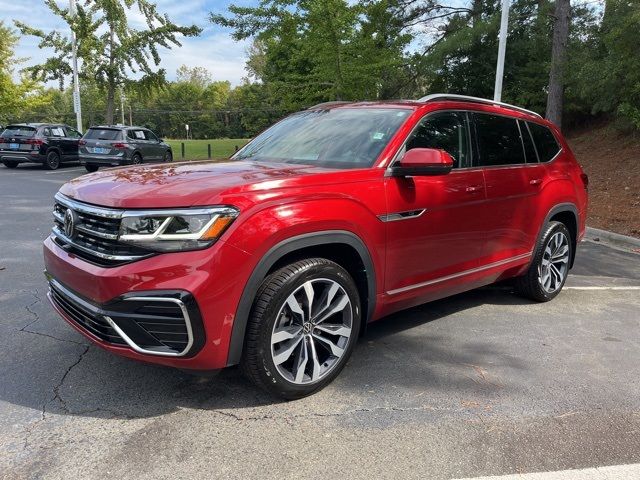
(422, 162)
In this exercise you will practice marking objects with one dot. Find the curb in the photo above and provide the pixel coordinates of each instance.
(605, 236)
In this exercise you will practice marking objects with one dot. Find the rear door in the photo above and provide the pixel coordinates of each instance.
(56, 138)
(138, 140)
(435, 224)
(513, 178)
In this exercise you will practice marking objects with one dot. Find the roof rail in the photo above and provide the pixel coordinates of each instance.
(465, 98)
(328, 104)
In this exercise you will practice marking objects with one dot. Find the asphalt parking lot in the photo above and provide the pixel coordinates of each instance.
(484, 383)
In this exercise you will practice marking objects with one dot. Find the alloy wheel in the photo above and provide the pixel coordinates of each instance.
(312, 331)
(555, 263)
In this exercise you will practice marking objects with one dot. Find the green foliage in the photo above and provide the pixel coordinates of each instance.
(111, 50)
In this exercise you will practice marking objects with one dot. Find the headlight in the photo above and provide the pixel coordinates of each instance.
(176, 229)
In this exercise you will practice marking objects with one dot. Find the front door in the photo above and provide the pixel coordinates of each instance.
(435, 224)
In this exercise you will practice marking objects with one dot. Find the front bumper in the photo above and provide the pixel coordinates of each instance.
(208, 283)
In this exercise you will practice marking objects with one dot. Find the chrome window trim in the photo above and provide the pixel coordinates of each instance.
(499, 263)
(136, 347)
(56, 232)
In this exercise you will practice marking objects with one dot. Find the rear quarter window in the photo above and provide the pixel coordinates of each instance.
(546, 143)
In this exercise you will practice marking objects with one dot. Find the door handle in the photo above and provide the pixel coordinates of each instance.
(535, 181)
(473, 189)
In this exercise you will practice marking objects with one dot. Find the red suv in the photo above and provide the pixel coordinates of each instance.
(332, 218)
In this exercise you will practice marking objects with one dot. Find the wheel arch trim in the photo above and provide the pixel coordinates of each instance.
(560, 208)
(275, 253)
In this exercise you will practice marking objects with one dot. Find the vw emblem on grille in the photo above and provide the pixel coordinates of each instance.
(70, 223)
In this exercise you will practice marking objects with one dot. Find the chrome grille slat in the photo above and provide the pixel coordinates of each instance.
(96, 238)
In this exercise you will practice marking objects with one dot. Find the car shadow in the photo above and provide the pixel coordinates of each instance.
(393, 351)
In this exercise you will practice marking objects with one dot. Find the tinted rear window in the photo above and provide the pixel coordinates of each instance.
(102, 134)
(546, 143)
(498, 140)
(18, 131)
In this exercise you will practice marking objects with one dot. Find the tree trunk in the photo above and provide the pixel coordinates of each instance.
(555, 98)
(111, 83)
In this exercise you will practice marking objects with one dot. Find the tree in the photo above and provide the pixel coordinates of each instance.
(109, 47)
(555, 98)
(15, 98)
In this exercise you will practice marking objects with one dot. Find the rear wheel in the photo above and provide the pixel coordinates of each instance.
(550, 265)
(303, 327)
(137, 159)
(53, 161)
(10, 164)
(91, 168)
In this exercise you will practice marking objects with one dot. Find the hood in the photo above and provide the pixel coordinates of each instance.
(180, 184)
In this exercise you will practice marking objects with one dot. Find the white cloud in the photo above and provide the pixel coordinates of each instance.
(214, 49)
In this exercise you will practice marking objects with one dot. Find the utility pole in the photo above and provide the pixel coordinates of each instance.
(502, 47)
(130, 116)
(77, 107)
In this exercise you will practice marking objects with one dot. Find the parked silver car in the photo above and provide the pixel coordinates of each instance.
(112, 145)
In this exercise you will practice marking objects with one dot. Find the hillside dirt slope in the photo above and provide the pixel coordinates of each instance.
(612, 161)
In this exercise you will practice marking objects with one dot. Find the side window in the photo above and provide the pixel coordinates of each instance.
(72, 133)
(498, 140)
(546, 143)
(46, 132)
(150, 136)
(529, 149)
(57, 132)
(445, 131)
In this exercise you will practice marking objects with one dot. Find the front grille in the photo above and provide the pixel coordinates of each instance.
(84, 317)
(95, 236)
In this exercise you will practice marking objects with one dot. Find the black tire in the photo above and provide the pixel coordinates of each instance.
(10, 164)
(136, 159)
(168, 156)
(91, 168)
(257, 362)
(530, 284)
(53, 161)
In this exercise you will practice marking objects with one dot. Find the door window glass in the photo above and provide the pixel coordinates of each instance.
(150, 136)
(498, 140)
(546, 143)
(57, 132)
(71, 133)
(444, 131)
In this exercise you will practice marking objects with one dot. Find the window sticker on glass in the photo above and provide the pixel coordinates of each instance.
(378, 136)
(57, 132)
(140, 134)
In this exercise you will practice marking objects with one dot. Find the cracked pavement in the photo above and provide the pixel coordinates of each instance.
(484, 383)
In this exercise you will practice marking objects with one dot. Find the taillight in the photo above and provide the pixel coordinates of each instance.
(34, 141)
(119, 146)
(585, 180)
(82, 142)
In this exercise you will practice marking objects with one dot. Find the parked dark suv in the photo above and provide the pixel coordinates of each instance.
(333, 218)
(114, 145)
(50, 144)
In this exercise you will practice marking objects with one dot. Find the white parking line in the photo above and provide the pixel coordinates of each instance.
(65, 170)
(629, 287)
(615, 472)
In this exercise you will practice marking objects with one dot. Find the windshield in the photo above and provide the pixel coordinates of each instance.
(338, 138)
(102, 134)
(18, 131)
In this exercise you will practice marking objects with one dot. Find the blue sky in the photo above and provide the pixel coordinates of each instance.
(214, 49)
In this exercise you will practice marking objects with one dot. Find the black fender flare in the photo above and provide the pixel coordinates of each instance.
(274, 254)
(559, 208)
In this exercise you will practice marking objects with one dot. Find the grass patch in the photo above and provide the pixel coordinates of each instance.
(197, 149)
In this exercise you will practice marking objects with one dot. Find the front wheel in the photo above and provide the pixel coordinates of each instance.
(303, 327)
(53, 161)
(549, 267)
(91, 168)
(168, 156)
